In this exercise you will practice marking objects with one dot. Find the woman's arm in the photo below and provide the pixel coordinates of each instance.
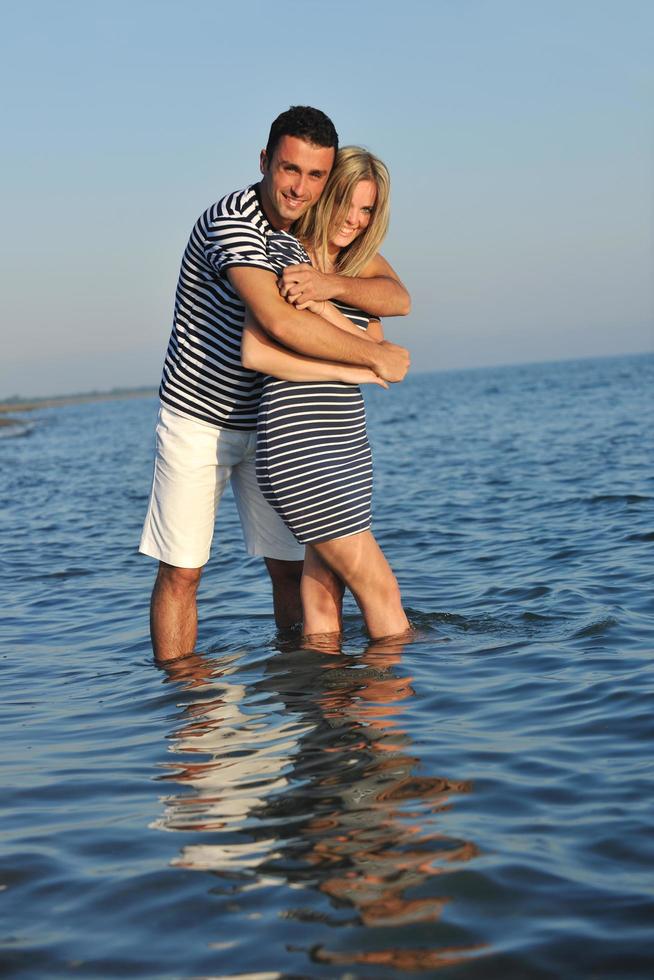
(332, 314)
(260, 353)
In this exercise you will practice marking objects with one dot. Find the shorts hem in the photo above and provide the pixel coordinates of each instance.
(151, 551)
(279, 554)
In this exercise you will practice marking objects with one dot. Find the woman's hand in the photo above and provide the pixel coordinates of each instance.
(353, 375)
(317, 306)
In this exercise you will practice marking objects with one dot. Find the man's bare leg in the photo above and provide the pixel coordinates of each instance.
(360, 563)
(322, 596)
(173, 612)
(285, 577)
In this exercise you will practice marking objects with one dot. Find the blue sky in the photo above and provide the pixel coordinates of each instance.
(518, 134)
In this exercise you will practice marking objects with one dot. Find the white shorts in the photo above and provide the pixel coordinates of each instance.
(192, 465)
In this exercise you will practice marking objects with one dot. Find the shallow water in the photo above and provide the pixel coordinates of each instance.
(474, 804)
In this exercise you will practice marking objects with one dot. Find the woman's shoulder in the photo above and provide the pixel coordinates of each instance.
(375, 266)
(285, 249)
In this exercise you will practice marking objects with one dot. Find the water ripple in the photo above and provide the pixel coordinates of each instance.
(474, 802)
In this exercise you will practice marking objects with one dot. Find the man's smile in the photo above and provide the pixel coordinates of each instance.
(294, 202)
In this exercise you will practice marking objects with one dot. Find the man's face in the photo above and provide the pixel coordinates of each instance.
(294, 179)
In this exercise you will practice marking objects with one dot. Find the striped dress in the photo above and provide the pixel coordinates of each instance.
(314, 464)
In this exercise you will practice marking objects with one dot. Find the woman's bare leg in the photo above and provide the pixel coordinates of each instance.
(360, 563)
(322, 596)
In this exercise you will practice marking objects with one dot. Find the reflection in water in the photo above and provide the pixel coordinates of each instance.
(306, 776)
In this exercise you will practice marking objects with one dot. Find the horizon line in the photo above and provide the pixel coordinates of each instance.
(152, 389)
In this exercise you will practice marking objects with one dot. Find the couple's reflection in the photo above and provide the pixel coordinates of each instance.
(305, 774)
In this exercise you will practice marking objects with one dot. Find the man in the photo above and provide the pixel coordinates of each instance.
(207, 422)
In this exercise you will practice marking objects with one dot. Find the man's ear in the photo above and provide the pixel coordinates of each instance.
(263, 162)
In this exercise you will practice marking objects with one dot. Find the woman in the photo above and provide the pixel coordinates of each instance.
(313, 459)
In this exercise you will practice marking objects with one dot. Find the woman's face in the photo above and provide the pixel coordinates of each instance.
(358, 216)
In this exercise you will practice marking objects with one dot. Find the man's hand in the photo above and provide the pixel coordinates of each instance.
(311, 335)
(393, 361)
(302, 284)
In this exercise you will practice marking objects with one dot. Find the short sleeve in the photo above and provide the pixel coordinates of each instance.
(284, 249)
(230, 240)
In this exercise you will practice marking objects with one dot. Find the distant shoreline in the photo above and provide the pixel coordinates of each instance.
(32, 404)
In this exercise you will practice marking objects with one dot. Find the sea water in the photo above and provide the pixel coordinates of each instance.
(475, 803)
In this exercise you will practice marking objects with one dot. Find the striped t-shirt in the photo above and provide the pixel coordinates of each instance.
(203, 377)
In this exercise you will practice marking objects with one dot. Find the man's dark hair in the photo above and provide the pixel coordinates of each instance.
(306, 123)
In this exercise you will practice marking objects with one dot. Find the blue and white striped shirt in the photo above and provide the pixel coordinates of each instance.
(203, 377)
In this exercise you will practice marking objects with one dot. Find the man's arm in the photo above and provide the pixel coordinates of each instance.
(375, 331)
(260, 353)
(378, 289)
(308, 334)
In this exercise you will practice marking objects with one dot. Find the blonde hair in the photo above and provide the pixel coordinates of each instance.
(353, 164)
